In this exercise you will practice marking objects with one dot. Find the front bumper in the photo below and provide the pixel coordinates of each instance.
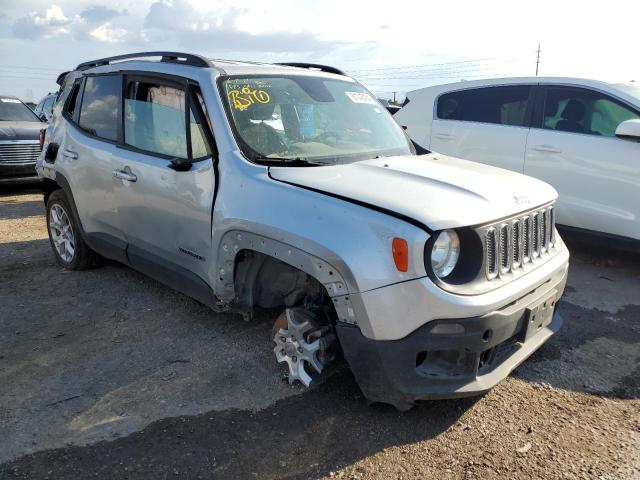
(18, 172)
(450, 358)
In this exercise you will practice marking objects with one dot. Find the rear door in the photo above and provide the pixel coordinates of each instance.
(573, 147)
(165, 210)
(487, 125)
(85, 158)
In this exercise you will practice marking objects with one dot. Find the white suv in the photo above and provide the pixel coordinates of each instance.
(581, 136)
(291, 188)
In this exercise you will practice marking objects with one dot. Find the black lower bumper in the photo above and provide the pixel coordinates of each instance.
(18, 173)
(450, 358)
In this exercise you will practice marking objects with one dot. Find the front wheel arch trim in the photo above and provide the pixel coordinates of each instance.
(235, 241)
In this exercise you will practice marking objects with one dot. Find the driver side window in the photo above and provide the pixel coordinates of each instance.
(579, 110)
(155, 120)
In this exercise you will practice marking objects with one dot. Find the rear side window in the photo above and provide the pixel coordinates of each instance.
(579, 110)
(505, 105)
(73, 99)
(155, 121)
(99, 109)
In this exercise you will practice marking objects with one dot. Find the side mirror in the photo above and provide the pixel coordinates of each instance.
(629, 130)
(43, 117)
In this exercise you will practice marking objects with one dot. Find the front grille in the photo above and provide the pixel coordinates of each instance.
(19, 152)
(521, 241)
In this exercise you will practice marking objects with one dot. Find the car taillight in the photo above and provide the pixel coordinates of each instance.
(43, 132)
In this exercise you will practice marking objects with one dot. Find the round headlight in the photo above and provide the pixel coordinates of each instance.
(445, 253)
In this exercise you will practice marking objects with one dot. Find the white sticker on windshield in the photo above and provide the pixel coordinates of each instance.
(359, 97)
(9, 100)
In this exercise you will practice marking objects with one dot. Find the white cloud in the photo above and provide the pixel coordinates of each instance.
(34, 25)
(108, 33)
(218, 28)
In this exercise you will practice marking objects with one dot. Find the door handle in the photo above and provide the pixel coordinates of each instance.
(547, 148)
(444, 136)
(124, 175)
(69, 154)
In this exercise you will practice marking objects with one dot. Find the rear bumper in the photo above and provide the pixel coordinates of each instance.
(450, 358)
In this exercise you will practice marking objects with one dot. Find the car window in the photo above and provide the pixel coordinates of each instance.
(12, 109)
(504, 105)
(307, 118)
(73, 99)
(199, 146)
(154, 121)
(48, 105)
(579, 110)
(99, 109)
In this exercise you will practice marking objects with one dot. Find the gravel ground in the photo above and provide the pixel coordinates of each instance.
(108, 374)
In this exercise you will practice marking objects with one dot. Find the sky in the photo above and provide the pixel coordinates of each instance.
(389, 46)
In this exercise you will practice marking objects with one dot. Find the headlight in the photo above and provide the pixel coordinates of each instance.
(445, 253)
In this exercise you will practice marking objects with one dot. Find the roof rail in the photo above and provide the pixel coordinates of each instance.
(168, 57)
(314, 66)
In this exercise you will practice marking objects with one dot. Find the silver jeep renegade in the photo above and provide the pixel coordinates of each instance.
(290, 188)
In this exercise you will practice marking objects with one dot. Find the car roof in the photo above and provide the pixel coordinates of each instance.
(464, 84)
(10, 96)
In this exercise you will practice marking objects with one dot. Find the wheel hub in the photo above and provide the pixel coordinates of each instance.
(299, 344)
(62, 233)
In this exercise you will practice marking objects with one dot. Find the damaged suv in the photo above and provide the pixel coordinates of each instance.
(290, 188)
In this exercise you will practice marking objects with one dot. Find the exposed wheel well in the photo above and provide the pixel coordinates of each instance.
(48, 187)
(266, 282)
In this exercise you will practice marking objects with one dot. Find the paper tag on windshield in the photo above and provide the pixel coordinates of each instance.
(9, 100)
(359, 97)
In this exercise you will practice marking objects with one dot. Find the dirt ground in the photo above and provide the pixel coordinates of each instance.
(108, 374)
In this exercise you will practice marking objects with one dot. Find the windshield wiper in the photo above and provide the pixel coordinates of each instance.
(289, 161)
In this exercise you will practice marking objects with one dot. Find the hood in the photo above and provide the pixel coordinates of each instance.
(435, 190)
(20, 130)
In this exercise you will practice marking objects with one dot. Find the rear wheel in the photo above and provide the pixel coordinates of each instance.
(64, 234)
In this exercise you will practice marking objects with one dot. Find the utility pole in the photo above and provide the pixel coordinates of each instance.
(538, 59)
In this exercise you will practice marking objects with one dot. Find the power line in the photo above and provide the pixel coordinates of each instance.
(48, 79)
(431, 73)
(426, 65)
(28, 67)
(415, 84)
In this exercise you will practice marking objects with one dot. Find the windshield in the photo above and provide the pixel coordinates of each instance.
(12, 109)
(309, 119)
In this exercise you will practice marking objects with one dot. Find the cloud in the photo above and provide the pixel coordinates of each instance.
(100, 14)
(34, 25)
(219, 31)
(108, 33)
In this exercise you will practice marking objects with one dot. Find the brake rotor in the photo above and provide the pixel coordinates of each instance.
(301, 344)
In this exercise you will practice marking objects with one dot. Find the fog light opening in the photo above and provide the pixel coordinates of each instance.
(486, 336)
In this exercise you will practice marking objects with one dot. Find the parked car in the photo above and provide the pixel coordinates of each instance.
(581, 136)
(44, 109)
(19, 141)
(286, 187)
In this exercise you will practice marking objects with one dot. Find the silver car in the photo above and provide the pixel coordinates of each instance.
(290, 187)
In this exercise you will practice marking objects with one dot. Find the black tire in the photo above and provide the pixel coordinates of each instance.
(82, 257)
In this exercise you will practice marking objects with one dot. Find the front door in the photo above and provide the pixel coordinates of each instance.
(164, 208)
(575, 149)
